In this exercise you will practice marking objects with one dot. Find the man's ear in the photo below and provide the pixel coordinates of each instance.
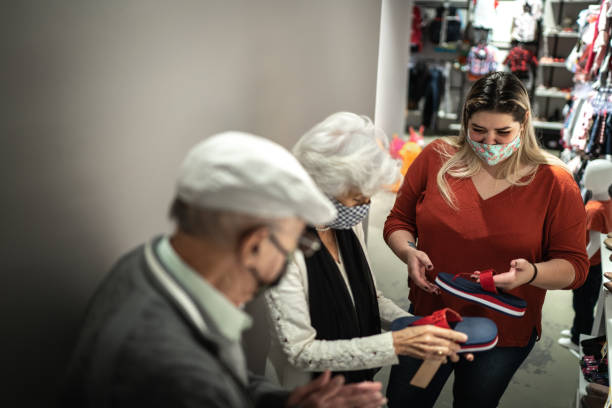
(250, 244)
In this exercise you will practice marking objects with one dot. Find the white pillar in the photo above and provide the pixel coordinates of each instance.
(393, 55)
(392, 78)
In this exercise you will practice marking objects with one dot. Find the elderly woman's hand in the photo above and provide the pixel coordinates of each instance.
(429, 341)
(418, 262)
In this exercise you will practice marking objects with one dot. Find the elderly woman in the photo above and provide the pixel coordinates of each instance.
(327, 313)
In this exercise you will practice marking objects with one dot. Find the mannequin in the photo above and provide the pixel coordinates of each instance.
(598, 186)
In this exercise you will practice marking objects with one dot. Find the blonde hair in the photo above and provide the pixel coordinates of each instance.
(499, 92)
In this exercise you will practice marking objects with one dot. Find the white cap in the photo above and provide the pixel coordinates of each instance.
(240, 172)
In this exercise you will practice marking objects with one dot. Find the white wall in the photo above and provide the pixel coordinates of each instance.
(101, 100)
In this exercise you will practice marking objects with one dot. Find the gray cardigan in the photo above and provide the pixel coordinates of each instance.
(145, 342)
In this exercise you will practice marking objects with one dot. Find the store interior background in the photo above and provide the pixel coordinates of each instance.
(101, 100)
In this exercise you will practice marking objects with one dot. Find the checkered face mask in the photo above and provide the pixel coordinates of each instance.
(348, 217)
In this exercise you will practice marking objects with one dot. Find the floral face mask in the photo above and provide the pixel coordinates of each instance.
(494, 154)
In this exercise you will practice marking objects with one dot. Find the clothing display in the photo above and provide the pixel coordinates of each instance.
(416, 35)
(482, 59)
(521, 61)
(525, 22)
(426, 83)
(296, 351)
(453, 26)
(485, 14)
(587, 128)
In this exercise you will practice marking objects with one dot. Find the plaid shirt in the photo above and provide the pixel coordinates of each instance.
(520, 59)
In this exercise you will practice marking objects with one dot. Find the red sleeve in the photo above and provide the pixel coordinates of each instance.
(595, 218)
(566, 227)
(403, 213)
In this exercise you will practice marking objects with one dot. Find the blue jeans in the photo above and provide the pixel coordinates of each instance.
(478, 384)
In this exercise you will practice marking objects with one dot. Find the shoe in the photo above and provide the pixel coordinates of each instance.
(566, 333)
(568, 344)
(481, 331)
(484, 293)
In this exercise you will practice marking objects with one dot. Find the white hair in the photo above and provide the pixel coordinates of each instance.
(347, 152)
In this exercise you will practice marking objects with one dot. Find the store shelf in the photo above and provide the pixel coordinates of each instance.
(553, 64)
(547, 125)
(582, 383)
(552, 94)
(439, 3)
(562, 34)
(447, 115)
(572, 1)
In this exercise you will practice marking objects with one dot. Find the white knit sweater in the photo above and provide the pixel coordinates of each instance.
(294, 353)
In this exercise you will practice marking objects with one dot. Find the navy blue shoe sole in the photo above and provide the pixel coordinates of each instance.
(472, 291)
(481, 332)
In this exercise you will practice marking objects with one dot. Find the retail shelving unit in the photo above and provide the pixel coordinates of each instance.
(444, 58)
(582, 383)
(557, 43)
(547, 125)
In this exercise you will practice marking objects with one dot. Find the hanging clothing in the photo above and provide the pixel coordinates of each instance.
(520, 60)
(416, 35)
(525, 25)
(481, 59)
(485, 13)
(433, 95)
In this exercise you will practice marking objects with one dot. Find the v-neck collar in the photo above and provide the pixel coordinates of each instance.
(494, 196)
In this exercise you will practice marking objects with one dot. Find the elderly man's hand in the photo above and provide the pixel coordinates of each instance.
(327, 392)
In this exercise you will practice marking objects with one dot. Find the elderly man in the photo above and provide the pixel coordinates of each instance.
(164, 329)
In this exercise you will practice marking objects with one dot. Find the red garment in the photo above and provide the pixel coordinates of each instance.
(540, 221)
(598, 218)
(520, 59)
(416, 37)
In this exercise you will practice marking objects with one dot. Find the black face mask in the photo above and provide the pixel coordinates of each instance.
(262, 285)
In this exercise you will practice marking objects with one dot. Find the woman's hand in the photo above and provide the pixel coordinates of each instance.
(429, 341)
(418, 262)
(521, 271)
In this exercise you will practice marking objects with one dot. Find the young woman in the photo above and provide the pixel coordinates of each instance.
(489, 198)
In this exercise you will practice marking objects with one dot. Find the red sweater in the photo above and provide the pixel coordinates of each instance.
(540, 221)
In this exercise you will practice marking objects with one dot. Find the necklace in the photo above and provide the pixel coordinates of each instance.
(324, 228)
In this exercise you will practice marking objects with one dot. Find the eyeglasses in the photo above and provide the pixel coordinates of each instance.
(308, 244)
